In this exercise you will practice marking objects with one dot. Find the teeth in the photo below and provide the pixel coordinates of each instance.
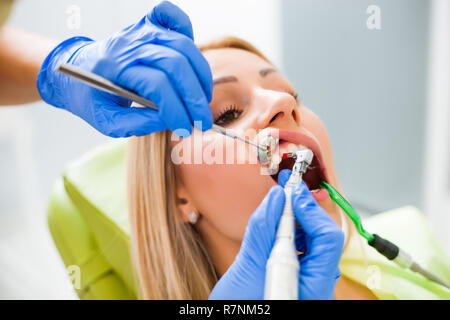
(292, 147)
(265, 157)
(314, 191)
(276, 159)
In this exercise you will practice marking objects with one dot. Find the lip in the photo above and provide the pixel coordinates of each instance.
(299, 138)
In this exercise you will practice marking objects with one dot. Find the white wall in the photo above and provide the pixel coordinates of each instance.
(36, 141)
(436, 187)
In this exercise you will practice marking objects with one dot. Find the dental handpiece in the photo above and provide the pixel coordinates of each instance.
(282, 269)
(104, 84)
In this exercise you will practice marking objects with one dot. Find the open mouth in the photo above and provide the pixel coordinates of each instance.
(313, 176)
(289, 142)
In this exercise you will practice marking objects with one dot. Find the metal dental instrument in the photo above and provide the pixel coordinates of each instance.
(283, 268)
(103, 84)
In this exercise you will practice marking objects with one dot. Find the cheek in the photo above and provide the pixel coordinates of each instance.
(225, 194)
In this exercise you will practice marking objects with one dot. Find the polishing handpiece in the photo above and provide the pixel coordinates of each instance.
(304, 158)
(283, 268)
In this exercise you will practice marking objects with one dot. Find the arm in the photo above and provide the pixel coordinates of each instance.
(155, 57)
(21, 56)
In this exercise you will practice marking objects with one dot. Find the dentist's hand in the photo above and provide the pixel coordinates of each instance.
(156, 58)
(321, 238)
(319, 269)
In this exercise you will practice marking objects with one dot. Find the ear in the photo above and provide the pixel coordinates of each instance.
(184, 204)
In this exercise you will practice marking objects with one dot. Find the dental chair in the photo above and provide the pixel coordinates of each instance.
(87, 217)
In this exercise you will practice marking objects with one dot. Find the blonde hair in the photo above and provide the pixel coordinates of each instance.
(170, 259)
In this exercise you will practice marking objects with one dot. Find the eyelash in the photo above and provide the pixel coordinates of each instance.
(231, 109)
(234, 109)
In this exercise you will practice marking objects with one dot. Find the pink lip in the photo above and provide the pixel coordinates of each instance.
(297, 138)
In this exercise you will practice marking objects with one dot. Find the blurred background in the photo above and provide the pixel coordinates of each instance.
(376, 72)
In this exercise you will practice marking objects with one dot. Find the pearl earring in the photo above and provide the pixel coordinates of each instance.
(193, 217)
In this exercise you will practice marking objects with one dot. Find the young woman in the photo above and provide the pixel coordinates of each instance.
(189, 219)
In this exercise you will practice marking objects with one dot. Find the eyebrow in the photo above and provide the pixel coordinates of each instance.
(225, 80)
(263, 72)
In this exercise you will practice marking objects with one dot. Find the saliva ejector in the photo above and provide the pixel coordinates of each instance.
(383, 246)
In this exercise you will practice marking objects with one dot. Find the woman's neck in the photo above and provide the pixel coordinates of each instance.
(221, 249)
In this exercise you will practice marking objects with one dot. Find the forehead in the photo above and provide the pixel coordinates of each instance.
(231, 61)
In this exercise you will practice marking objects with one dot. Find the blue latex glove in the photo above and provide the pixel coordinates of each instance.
(319, 269)
(156, 58)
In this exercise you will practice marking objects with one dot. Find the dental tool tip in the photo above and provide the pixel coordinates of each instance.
(287, 155)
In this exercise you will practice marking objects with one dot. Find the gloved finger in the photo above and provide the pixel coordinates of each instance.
(183, 79)
(326, 238)
(244, 279)
(319, 269)
(154, 85)
(185, 45)
(120, 122)
(301, 243)
(262, 227)
(283, 177)
(169, 16)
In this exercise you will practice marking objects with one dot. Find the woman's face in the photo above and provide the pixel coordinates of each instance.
(249, 95)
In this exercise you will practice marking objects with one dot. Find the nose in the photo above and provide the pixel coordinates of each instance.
(277, 109)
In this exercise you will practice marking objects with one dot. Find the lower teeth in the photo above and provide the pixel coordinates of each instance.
(315, 190)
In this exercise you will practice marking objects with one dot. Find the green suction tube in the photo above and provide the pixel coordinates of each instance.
(348, 209)
(383, 246)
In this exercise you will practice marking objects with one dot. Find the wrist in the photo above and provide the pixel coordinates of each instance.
(49, 80)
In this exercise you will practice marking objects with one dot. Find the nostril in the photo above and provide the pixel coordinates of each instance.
(275, 116)
(295, 116)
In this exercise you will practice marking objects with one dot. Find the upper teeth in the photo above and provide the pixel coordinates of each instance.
(292, 147)
(276, 159)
